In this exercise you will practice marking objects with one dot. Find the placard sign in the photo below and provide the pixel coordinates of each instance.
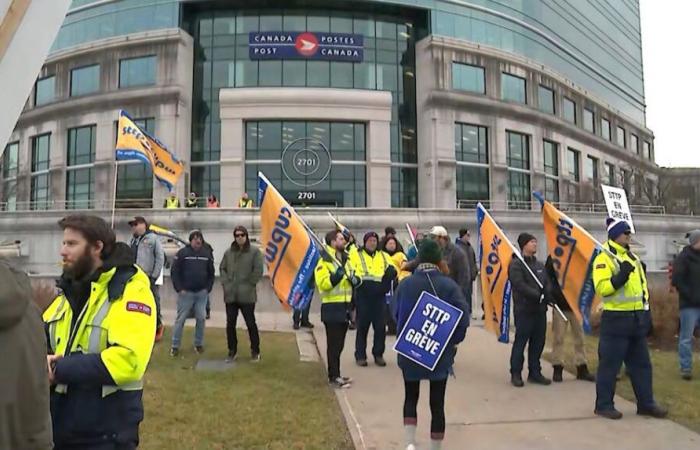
(616, 202)
(428, 330)
(306, 45)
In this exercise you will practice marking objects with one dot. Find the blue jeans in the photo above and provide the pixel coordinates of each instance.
(690, 318)
(186, 301)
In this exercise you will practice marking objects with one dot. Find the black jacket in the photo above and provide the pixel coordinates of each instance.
(193, 270)
(557, 296)
(471, 257)
(526, 291)
(686, 277)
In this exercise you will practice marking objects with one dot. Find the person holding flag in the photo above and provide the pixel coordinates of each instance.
(334, 283)
(530, 292)
(620, 280)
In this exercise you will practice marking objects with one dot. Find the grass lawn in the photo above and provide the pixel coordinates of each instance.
(278, 403)
(680, 396)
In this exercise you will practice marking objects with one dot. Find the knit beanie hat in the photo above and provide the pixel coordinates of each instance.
(429, 252)
(616, 227)
(368, 235)
(693, 237)
(524, 238)
(196, 233)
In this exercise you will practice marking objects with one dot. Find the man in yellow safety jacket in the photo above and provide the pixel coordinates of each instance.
(335, 285)
(172, 202)
(620, 280)
(100, 338)
(376, 271)
(245, 202)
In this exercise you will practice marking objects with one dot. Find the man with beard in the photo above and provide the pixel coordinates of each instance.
(100, 338)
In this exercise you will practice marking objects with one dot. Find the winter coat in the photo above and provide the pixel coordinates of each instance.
(471, 257)
(407, 295)
(526, 292)
(686, 277)
(25, 422)
(557, 295)
(193, 270)
(149, 254)
(241, 269)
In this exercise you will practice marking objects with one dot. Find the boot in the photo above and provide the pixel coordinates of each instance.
(656, 411)
(558, 371)
(516, 380)
(538, 378)
(582, 373)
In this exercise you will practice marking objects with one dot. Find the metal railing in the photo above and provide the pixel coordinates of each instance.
(506, 205)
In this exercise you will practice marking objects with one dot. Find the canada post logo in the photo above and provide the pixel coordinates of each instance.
(306, 45)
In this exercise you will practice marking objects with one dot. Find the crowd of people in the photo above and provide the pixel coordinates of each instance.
(211, 201)
(100, 329)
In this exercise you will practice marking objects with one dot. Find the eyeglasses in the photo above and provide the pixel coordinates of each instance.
(627, 233)
(239, 235)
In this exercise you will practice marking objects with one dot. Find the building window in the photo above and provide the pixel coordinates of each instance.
(45, 91)
(605, 129)
(518, 159)
(519, 190)
(513, 88)
(79, 188)
(206, 180)
(610, 174)
(81, 145)
(134, 185)
(466, 77)
(518, 150)
(137, 71)
(621, 137)
(591, 173)
(472, 185)
(647, 150)
(85, 80)
(40, 188)
(345, 184)
(551, 170)
(10, 168)
(404, 189)
(626, 180)
(545, 99)
(634, 143)
(569, 110)
(471, 144)
(572, 164)
(588, 120)
(551, 189)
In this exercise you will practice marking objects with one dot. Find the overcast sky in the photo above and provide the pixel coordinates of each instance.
(670, 43)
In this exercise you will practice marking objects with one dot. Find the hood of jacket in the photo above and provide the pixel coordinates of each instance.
(692, 255)
(15, 295)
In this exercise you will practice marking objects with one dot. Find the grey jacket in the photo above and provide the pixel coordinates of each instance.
(458, 264)
(241, 269)
(150, 256)
(471, 257)
(25, 422)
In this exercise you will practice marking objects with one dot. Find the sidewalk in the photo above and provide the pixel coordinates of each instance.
(484, 411)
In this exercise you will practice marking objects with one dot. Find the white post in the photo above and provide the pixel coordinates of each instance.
(114, 190)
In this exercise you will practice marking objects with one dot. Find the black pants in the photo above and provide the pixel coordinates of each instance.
(370, 311)
(335, 338)
(530, 330)
(248, 312)
(301, 316)
(437, 405)
(389, 319)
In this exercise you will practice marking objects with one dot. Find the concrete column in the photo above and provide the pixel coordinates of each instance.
(378, 164)
(233, 162)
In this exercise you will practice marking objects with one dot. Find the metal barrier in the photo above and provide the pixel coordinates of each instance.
(505, 205)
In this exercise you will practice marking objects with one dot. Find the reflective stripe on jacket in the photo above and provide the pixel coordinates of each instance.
(634, 295)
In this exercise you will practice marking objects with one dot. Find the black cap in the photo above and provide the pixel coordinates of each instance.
(524, 238)
(389, 230)
(138, 219)
(196, 233)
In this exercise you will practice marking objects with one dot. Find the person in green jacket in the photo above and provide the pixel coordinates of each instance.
(241, 269)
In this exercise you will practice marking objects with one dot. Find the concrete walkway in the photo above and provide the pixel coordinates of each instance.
(484, 411)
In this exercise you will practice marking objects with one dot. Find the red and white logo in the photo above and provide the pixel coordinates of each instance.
(306, 44)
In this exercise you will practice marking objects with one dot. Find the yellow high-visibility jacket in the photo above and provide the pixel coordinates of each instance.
(634, 295)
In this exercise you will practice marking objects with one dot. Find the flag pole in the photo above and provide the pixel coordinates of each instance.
(114, 190)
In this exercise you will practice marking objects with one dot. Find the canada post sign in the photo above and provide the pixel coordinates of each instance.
(306, 45)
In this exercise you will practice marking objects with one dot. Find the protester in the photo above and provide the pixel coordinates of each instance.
(376, 271)
(620, 281)
(241, 268)
(463, 243)
(335, 288)
(25, 422)
(100, 333)
(300, 318)
(172, 202)
(192, 274)
(393, 248)
(191, 201)
(686, 279)
(389, 232)
(530, 310)
(559, 328)
(427, 277)
(245, 202)
(412, 252)
(150, 257)
(212, 201)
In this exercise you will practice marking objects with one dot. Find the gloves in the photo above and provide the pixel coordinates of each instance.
(390, 273)
(337, 276)
(619, 279)
(355, 281)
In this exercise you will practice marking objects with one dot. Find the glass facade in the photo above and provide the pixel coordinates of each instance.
(621, 137)
(572, 162)
(518, 159)
(472, 185)
(610, 174)
(545, 99)
(588, 120)
(45, 91)
(471, 144)
(81, 145)
(40, 187)
(137, 71)
(472, 172)
(647, 150)
(79, 188)
(569, 110)
(634, 144)
(591, 171)
(551, 170)
(513, 88)
(470, 78)
(206, 179)
(518, 156)
(222, 60)
(605, 129)
(10, 168)
(41, 152)
(85, 80)
(519, 192)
